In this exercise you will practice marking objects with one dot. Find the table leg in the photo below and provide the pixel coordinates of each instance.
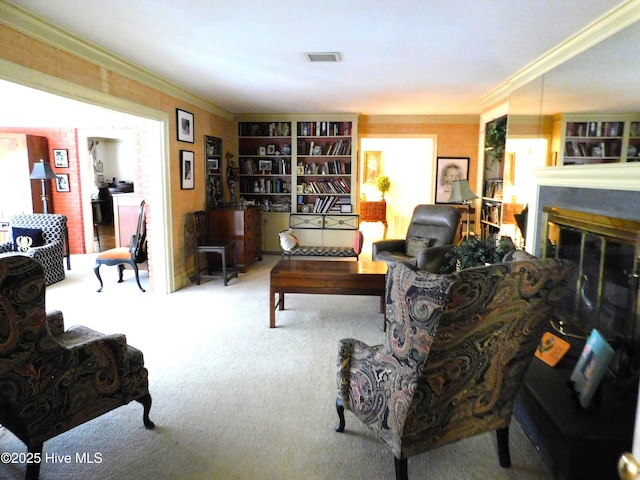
(281, 300)
(272, 308)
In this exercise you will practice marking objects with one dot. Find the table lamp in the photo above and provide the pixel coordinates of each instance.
(461, 193)
(42, 171)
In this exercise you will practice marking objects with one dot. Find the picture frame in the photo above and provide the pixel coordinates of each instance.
(187, 170)
(591, 367)
(99, 167)
(213, 164)
(449, 169)
(61, 158)
(185, 126)
(262, 151)
(264, 165)
(371, 167)
(271, 149)
(62, 182)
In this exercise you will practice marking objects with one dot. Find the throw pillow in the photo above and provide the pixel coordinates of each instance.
(358, 240)
(26, 238)
(417, 244)
(288, 241)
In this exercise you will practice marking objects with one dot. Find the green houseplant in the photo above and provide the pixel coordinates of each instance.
(383, 184)
(478, 251)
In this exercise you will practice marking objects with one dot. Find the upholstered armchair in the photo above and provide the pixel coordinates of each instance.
(456, 351)
(429, 239)
(52, 380)
(40, 236)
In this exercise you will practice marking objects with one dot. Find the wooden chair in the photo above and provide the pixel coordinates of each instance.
(203, 244)
(132, 255)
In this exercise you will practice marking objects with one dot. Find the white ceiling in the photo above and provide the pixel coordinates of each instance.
(399, 57)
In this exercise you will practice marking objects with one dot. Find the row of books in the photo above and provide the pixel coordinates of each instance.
(491, 213)
(273, 166)
(334, 167)
(270, 186)
(493, 188)
(341, 147)
(327, 205)
(595, 129)
(264, 129)
(324, 129)
(339, 186)
(609, 148)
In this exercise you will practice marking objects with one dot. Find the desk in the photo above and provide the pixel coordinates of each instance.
(374, 212)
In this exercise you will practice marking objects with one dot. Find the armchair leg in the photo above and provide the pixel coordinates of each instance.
(340, 410)
(33, 468)
(145, 400)
(401, 468)
(503, 447)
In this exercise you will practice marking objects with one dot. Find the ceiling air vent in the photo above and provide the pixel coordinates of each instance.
(323, 57)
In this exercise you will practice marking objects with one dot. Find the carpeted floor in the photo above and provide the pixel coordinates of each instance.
(234, 399)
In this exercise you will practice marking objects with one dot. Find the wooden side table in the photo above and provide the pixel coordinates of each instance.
(374, 212)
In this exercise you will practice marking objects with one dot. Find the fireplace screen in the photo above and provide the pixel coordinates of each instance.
(603, 287)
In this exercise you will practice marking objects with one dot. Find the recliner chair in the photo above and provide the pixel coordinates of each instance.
(429, 239)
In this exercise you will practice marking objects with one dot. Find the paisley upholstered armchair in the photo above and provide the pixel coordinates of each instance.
(455, 354)
(52, 380)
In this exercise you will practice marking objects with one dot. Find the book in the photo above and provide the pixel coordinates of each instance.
(591, 367)
(551, 349)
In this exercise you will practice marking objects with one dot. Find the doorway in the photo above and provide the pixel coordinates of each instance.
(409, 163)
(31, 107)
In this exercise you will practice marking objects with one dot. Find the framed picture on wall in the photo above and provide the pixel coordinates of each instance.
(185, 125)
(62, 182)
(371, 165)
(187, 162)
(449, 169)
(61, 158)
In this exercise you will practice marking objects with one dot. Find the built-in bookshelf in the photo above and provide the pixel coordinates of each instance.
(595, 139)
(324, 166)
(264, 163)
(491, 205)
(491, 213)
(213, 171)
(307, 164)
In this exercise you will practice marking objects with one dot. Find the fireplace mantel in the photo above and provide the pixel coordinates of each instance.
(621, 180)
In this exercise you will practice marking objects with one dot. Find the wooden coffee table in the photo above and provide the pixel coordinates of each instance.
(325, 277)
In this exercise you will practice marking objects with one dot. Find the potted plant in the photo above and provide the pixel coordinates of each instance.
(383, 184)
(478, 251)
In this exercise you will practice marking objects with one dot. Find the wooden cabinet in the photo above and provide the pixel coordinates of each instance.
(240, 224)
(374, 212)
(588, 139)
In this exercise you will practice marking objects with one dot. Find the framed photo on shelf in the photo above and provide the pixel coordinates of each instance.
(371, 165)
(262, 151)
(264, 165)
(449, 169)
(271, 149)
(186, 170)
(62, 182)
(185, 125)
(591, 367)
(213, 164)
(61, 158)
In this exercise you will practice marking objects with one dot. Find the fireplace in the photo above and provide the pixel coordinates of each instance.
(602, 290)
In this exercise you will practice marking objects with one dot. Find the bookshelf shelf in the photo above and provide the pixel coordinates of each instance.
(594, 139)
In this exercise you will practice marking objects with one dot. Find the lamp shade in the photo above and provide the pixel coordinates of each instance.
(42, 171)
(461, 192)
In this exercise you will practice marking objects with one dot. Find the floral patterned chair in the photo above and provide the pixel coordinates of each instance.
(455, 354)
(52, 380)
(50, 231)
